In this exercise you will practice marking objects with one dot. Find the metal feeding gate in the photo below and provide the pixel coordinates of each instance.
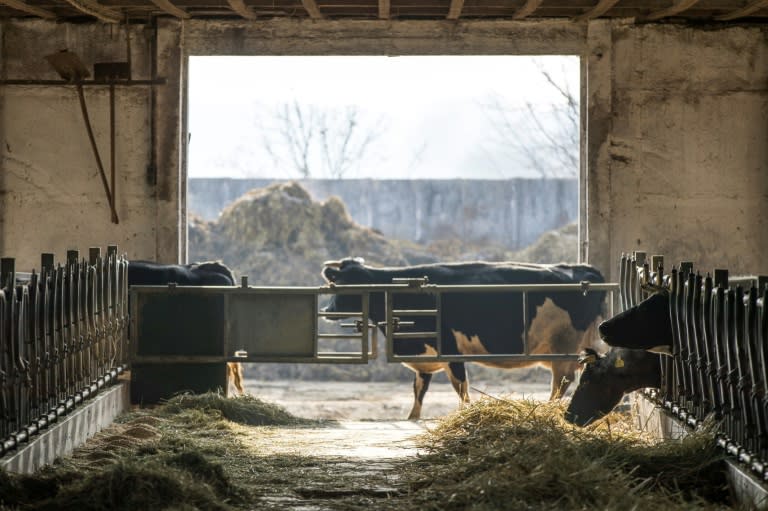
(184, 335)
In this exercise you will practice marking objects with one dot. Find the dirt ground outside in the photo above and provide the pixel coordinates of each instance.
(385, 401)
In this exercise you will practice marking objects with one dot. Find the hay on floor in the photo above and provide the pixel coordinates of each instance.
(505, 454)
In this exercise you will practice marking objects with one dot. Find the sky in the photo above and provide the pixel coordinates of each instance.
(430, 114)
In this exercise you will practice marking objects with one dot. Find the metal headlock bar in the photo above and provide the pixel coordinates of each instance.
(63, 332)
(718, 368)
(281, 324)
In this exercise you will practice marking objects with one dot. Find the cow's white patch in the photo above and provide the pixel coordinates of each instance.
(474, 346)
(550, 332)
(427, 367)
(662, 350)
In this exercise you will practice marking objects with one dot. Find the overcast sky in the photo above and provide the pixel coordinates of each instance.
(430, 110)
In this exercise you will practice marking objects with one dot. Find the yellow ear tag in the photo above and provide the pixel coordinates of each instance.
(619, 362)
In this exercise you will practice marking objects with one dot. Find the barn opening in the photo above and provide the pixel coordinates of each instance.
(433, 158)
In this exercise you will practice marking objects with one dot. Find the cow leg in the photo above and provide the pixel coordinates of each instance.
(563, 374)
(235, 374)
(420, 386)
(457, 373)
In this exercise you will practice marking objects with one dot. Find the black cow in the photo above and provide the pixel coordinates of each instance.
(482, 323)
(209, 273)
(606, 378)
(645, 326)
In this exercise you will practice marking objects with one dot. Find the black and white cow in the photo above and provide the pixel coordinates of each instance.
(629, 365)
(208, 273)
(606, 378)
(482, 322)
(645, 326)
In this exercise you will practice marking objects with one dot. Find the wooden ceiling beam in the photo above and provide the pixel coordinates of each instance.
(454, 11)
(243, 10)
(95, 9)
(527, 9)
(744, 11)
(167, 7)
(385, 8)
(672, 10)
(601, 8)
(22, 6)
(312, 9)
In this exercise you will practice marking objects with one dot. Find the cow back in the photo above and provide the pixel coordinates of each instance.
(493, 318)
(148, 273)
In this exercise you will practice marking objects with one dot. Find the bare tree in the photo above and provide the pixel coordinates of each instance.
(545, 140)
(316, 141)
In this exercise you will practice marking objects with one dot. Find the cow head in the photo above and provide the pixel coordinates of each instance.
(606, 378)
(645, 326)
(216, 272)
(349, 271)
(595, 396)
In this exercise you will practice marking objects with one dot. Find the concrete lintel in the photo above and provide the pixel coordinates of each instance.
(384, 37)
(73, 430)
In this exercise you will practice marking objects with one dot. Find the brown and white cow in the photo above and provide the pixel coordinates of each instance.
(482, 322)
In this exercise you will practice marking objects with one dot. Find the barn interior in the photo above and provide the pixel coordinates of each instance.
(673, 118)
(674, 112)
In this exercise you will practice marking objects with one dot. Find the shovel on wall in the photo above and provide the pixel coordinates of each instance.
(71, 69)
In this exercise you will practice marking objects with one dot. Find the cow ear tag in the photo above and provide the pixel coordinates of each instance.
(587, 359)
(619, 362)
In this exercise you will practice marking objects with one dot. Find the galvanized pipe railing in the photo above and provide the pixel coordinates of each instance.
(719, 363)
(63, 335)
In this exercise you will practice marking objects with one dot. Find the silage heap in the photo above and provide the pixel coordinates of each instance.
(500, 454)
(182, 455)
(280, 236)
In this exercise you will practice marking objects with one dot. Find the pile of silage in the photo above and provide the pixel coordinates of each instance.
(171, 472)
(184, 481)
(279, 235)
(183, 454)
(500, 454)
(244, 409)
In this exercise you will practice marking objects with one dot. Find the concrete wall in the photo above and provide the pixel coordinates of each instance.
(674, 157)
(511, 213)
(52, 195)
(683, 169)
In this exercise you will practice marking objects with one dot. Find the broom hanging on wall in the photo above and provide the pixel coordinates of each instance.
(71, 69)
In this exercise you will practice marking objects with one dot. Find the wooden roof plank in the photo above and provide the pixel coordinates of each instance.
(22, 6)
(454, 11)
(312, 9)
(95, 9)
(385, 8)
(601, 8)
(677, 8)
(167, 7)
(744, 11)
(243, 10)
(527, 9)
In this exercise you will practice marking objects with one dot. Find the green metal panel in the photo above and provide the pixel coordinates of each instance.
(273, 324)
(181, 322)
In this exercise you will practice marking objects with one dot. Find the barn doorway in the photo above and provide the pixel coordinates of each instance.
(416, 159)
